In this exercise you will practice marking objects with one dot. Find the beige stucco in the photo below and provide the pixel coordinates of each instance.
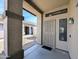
(48, 5)
(59, 44)
(73, 30)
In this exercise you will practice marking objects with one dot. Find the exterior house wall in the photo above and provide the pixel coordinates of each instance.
(73, 30)
(59, 44)
(29, 25)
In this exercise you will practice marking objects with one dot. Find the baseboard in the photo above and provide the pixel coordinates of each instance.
(62, 50)
(69, 55)
(17, 55)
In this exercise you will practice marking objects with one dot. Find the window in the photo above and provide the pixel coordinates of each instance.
(1, 27)
(28, 30)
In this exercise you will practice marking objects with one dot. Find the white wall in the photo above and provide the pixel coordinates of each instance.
(73, 30)
(31, 9)
(59, 44)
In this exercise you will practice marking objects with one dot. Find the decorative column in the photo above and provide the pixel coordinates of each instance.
(13, 29)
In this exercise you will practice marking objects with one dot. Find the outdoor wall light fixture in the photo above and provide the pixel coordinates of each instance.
(71, 20)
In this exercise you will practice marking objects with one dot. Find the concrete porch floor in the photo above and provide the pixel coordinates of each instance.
(36, 52)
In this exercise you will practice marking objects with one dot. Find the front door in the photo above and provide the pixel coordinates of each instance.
(49, 33)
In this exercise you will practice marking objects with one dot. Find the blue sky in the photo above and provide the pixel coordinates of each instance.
(29, 17)
(1, 6)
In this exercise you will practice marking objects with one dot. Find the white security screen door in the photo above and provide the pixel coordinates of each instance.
(49, 33)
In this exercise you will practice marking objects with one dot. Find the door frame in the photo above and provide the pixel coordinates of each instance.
(55, 32)
(57, 37)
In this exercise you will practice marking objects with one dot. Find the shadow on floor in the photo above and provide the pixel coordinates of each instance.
(36, 52)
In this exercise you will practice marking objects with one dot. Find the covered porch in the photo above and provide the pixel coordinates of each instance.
(56, 36)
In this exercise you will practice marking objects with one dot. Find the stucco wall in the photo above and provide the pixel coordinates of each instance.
(59, 44)
(73, 30)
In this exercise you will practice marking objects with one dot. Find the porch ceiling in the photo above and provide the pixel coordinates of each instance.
(47, 5)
